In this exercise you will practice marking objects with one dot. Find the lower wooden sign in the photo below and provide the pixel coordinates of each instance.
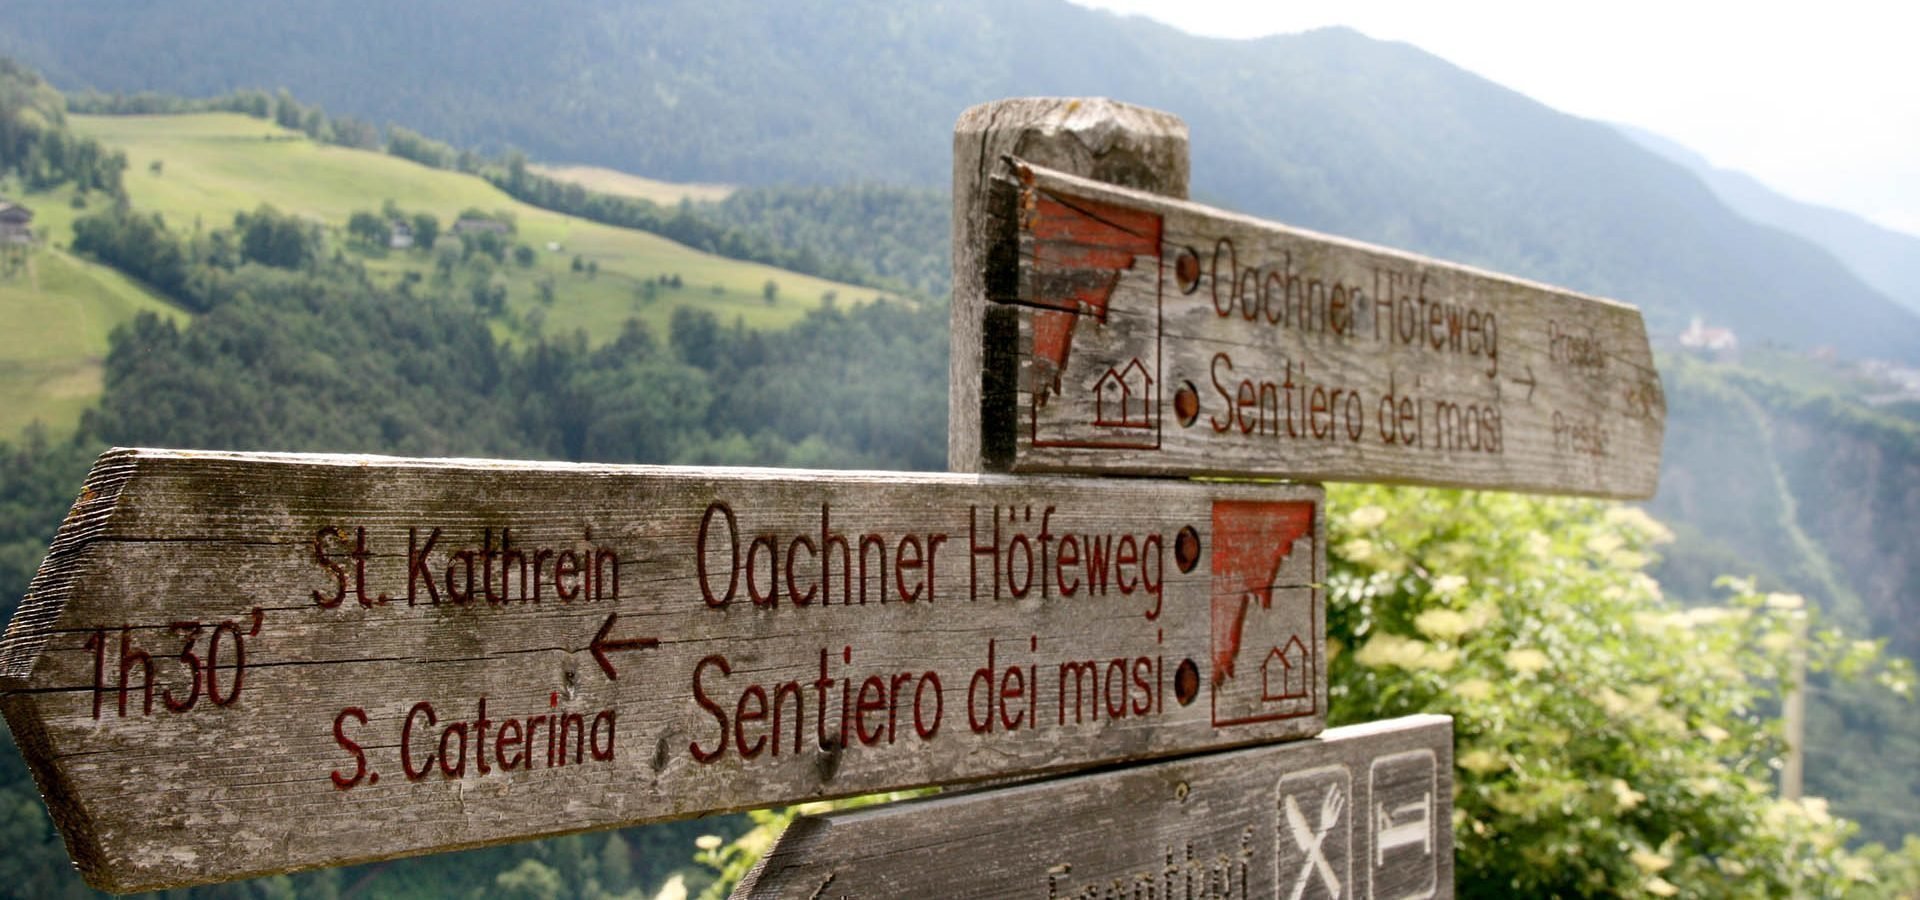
(1361, 811)
(237, 664)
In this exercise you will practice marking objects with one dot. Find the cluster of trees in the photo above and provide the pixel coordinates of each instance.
(138, 244)
(279, 108)
(374, 231)
(900, 233)
(36, 146)
(684, 224)
(1608, 740)
(196, 271)
(428, 152)
(335, 362)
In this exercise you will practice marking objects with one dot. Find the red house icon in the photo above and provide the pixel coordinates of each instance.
(1284, 674)
(1121, 397)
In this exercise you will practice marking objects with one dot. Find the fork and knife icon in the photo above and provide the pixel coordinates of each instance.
(1313, 840)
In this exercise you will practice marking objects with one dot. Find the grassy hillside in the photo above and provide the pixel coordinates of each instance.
(214, 165)
(59, 311)
(1328, 130)
(199, 170)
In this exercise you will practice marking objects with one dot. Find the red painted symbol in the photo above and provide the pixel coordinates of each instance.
(1080, 249)
(1253, 542)
(1250, 540)
(601, 645)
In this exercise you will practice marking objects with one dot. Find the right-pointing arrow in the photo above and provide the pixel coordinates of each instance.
(1528, 381)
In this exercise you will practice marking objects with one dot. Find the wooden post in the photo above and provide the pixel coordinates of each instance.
(1116, 143)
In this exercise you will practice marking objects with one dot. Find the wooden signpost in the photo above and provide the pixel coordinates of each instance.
(239, 664)
(232, 665)
(1360, 811)
(1126, 332)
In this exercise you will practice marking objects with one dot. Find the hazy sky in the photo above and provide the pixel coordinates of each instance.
(1819, 100)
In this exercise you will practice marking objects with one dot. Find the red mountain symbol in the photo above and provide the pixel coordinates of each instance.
(1251, 538)
(1080, 248)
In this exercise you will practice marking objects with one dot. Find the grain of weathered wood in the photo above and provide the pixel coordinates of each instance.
(1361, 811)
(1113, 142)
(1154, 336)
(317, 686)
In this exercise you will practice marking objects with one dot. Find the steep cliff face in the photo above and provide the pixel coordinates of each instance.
(1807, 490)
(1819, 495)
(1857, 477)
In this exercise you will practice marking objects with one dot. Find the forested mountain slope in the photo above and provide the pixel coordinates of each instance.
(1887, 260)
(1329, 130)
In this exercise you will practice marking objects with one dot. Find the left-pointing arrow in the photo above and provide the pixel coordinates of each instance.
(602, 644)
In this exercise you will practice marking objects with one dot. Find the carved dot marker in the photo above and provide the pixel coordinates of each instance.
(1186, 682)
(1187, 269)
(1186, 549)
(1186, 404)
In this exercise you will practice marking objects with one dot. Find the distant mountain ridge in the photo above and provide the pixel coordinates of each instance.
(1329, 130)
(1885, 259)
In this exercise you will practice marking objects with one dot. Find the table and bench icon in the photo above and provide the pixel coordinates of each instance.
(1318, 811)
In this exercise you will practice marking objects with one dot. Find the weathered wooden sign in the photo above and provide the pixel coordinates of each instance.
(1361, 811)
(1127, 332)
(237, 664)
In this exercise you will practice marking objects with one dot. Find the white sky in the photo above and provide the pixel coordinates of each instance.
(1821, 101)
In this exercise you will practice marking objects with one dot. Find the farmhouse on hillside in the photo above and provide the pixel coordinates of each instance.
(14, 223)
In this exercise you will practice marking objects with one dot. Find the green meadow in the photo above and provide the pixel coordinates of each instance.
(57, 313)
(199, 170)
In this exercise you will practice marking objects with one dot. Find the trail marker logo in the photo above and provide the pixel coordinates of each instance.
(1265, 628)
(1084, 253)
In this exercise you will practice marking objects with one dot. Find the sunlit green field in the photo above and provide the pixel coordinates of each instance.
(214, 165)
(54, 319)
(56, 315)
